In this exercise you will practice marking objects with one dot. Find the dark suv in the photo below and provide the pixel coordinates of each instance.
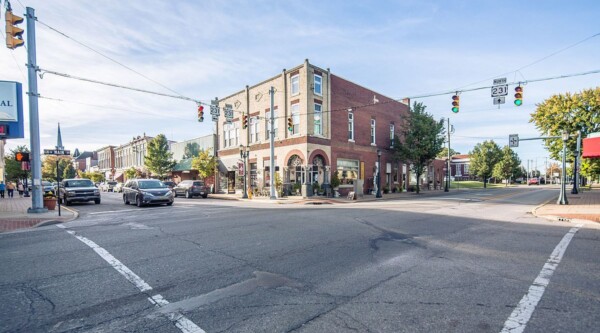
(78, 190)
(147, 192)
(191, 188)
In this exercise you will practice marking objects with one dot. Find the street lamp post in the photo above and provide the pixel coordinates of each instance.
(575, 189)
(244, 152)
(378, 195)
(562, 199)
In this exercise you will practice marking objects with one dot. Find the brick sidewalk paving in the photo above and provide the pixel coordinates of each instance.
(585, 205)
(14, 216)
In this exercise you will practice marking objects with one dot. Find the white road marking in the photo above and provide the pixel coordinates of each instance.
(185, 325)
(518, 319)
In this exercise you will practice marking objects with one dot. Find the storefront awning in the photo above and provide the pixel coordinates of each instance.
(591, 147)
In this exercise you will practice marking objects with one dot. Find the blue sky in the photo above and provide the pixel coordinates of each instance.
(207, 49)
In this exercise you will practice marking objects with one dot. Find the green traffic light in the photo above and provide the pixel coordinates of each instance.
(518, 102)
(455, 109)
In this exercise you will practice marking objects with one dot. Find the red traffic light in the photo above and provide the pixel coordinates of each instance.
(200, 113)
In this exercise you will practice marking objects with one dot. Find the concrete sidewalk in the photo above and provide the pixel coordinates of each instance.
(14, 216)
(584, 206)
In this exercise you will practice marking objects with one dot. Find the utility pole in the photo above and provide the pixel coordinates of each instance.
(447, 185)
(37, 204)
(272, 144)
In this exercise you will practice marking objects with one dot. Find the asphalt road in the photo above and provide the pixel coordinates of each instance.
(457, 263)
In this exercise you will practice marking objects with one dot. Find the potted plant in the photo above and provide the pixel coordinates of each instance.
(296, 187)
(49, 200)
(386, 189)
(316, 188)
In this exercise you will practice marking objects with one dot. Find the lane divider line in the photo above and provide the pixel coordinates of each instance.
(180, 321)
(520, 316)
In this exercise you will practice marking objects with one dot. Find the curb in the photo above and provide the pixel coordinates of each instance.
(54, 221)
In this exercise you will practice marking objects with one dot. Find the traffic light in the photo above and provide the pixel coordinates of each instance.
(22, 156)
(290, 124)
(13, 34)
(455, 103)
(200, 113)
(518, 96)
(244, 121)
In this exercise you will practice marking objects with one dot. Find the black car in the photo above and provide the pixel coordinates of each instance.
(78, 190)
(143, 192)
(191, 188)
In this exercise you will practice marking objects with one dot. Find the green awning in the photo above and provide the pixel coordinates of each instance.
(183, 165)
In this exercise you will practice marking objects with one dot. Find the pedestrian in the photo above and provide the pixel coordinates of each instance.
(2, 189)
(21, 189)
(10, 188)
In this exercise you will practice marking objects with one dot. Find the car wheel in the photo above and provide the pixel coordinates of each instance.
(97, 201)
(125, 201)
(138, 201)
(188, 195)
(205, 196)
(67, 203)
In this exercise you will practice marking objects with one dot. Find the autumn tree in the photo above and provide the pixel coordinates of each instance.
(49, 166)
(483, 159)
(423, 140)
(159, 160)
(508, 166)
(205, 163)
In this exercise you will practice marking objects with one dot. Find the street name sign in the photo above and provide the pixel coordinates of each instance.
(56, 152)
(513, 140)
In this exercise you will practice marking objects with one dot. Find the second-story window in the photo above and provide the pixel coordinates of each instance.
(318, 85)
(391, 135)
(350, 126)
(254, 130)
(317, 119)
(295, 83)
(373, 131)
(296, 118)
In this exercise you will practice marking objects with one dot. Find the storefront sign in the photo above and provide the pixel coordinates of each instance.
(11, 110)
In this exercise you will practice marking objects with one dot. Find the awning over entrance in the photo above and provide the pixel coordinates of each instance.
(591, 147)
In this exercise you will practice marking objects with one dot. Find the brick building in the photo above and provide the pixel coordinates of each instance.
(336, 126)
(459, 167)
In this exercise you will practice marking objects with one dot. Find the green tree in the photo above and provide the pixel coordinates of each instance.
(159, 160)
(49, 166)
(483, 160)
(444, 153)
(508, 166)
(590, 168)
(570, 112)
(423, 140)
(205, 163)
(12, 168)
(132, 173)
(69, 171)
(192, 149)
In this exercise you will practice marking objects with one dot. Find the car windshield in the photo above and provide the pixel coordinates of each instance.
(79, 183)
(151, 184)
(45, 183)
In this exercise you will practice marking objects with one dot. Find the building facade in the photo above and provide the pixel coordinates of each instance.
(459, 167)
(106, 162)
(131, 155)
(323, 124)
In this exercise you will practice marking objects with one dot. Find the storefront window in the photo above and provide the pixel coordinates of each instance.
(347, 171)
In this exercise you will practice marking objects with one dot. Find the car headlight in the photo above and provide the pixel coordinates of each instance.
(96, 192)
(169, 193)
(70, 193)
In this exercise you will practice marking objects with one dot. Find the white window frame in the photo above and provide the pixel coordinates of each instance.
(391, 135)
(373, 138)
(295, 84)
(318, 78)
(318, 119)
(350, 126)
(295, 112)
(254, 130)
(226, 134)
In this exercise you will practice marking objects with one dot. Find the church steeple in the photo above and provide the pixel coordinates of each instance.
(59, 145)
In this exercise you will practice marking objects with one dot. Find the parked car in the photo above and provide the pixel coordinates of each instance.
(533, 181)
(143, 192)
(108, 186)
(48, 187)
(191, 188)
(118, 188)
(169, 184)
(78, 190)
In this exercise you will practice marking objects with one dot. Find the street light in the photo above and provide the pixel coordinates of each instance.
(576, 166)
(244, 152)
(562, 199)
(378, 195)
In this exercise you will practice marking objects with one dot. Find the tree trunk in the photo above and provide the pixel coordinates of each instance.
(484, 182)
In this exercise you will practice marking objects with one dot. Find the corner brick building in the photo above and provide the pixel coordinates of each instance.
(337, 126)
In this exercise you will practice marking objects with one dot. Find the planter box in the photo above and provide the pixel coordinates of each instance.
(50, 204)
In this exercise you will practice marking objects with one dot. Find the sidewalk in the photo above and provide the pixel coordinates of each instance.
(584, 206)
(13, 215)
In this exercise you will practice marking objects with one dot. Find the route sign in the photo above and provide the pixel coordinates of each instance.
(499, 81)
(513, 140)
(215, 118)
(228, 112)
(214, 109)
(56, 152)
(501, 90)
(499, 100)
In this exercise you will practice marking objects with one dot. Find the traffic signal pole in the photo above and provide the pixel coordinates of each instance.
(37, 204)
